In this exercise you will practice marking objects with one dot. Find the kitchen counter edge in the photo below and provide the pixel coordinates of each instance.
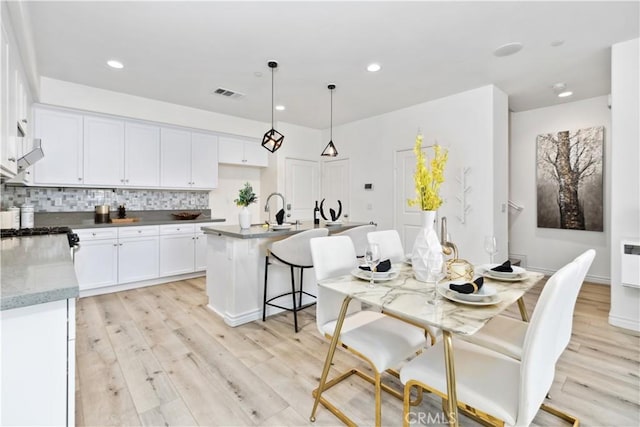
(259, 232)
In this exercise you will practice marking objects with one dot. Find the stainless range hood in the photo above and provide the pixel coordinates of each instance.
(32, 156)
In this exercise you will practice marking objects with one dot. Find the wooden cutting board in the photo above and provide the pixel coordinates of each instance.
(124, 220)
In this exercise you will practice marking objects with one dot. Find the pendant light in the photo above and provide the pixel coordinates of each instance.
(272, 140)
(330, 149)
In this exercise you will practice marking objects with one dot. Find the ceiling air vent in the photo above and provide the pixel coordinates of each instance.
(227, 93)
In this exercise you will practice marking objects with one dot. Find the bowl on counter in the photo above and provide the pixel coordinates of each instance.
(186, 215)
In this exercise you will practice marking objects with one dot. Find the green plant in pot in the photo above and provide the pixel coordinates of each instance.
(246, 196)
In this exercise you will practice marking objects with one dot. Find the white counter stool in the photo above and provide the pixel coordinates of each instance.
(359, 237)
(294, 252)
(389, 243)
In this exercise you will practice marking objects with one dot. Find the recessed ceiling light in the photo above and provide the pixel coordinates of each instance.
(508, 49)
(373, 67)
(565, 94)
(280, 107)
(559, 87)
(115, 64)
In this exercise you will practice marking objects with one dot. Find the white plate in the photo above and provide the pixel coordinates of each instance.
(486, 291)
(377, 277)
(284, 226)
(517, 271)
(444, 290)
(333, 222)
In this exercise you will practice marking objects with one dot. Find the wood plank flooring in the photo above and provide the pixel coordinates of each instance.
(157, 356)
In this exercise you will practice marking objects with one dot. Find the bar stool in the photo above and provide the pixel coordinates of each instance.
(293, 252)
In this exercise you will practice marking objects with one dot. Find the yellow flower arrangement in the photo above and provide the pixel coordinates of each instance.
(428, 177)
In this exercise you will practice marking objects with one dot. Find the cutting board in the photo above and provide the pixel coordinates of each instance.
(124, 220)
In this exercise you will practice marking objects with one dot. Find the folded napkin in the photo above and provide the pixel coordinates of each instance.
(280, 216)
(382, 266)
(505, 267)
(468, 288)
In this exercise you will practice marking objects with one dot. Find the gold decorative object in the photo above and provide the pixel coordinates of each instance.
(459, 269)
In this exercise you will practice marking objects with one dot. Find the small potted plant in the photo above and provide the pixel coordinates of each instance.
(246, 196)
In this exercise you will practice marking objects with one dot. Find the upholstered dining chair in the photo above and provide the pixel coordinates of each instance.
(292, 252)
(381, 341)
(390, 244)
(506, 334)
(359, 237)
(496, 388)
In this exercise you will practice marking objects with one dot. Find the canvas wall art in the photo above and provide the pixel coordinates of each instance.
(569, 179)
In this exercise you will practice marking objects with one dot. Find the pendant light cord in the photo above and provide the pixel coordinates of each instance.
(271, 98)
(331, 129)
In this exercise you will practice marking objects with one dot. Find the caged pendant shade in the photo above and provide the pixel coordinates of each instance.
(272, 139)
(330, 150)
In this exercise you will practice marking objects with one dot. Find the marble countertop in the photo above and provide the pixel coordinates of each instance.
(258, 231)
(408, 298)
(36, 270)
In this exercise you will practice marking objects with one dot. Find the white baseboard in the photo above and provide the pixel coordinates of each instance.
(600, 280)
(141, 284)
(621, 322)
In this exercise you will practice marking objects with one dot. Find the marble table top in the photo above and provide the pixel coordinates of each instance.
(410, 299)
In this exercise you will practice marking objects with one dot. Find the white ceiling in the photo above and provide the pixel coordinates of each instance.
(179, 51)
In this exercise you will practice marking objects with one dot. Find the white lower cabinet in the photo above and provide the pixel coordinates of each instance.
(138, 259)
(177, 252)
(201, 251)
(96, 260)
(38, 365)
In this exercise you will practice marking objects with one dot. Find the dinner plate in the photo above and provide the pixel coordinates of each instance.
(444, 290)
(281, 227)
(486, 291)
(333, 222)
(517, 275)
(377, 277)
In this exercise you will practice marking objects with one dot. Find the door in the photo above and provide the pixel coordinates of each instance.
(103, 151)
(204, 160)
(301, 188)
(335, 186)
(96, 263)
(175, 158)
(201, 251)
(61, 135)
(142, 155)
(255, 154)
(407, 219)
(138, 259)
(177, 254)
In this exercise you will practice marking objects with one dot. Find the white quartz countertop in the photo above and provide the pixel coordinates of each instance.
(36, 270)
(259, 231)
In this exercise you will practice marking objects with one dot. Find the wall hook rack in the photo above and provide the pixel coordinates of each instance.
(462, 197)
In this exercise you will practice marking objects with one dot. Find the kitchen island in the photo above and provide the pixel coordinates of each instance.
(39, 289)
(236, 264)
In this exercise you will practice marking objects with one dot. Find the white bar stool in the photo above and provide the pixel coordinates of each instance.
(294, 252)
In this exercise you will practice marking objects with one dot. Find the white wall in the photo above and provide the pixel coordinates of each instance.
(472, 125)
(548, 249)
(625, 176)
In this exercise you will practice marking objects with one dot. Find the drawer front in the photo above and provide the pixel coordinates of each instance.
(149, 230)
(89, 234)
(166, 230)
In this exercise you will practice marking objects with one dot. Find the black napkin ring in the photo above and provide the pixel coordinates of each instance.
(468, 288)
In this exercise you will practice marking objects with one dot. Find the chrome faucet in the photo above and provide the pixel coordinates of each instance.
(266, 205)
(448, 248)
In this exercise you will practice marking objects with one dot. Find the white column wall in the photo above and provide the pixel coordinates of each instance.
(548, 249)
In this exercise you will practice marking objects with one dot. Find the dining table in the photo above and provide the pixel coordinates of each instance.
(432, 305)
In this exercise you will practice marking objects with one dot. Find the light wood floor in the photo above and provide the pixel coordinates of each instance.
(157, 356)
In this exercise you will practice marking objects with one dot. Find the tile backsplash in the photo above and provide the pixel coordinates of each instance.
(85, 199)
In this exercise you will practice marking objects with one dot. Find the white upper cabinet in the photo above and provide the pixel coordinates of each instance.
(62, 135)
(244, 152)
(175, 158)
(188, 160)
(142, 155)
(103, 151)
(204, 160)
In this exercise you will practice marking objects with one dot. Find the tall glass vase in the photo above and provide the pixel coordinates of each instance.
(426, 244)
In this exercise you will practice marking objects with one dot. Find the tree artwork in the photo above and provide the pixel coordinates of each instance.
(569, 179)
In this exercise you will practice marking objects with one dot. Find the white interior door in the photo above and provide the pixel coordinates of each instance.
(335, 186)
(301, 188)
(407, 218)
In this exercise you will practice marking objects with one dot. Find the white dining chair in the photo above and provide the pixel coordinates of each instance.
(292, 252)
(492, 386)
(381, 341)
(359, 237)
(390, 244)
(506, 334)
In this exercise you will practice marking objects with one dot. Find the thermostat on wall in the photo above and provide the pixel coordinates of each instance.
(368, 186)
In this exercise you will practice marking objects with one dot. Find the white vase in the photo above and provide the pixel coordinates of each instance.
(426, 249)
(244, 218)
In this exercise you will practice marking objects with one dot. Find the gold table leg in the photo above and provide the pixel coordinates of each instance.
(523, 310)
(452, 401)
(330, 353)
